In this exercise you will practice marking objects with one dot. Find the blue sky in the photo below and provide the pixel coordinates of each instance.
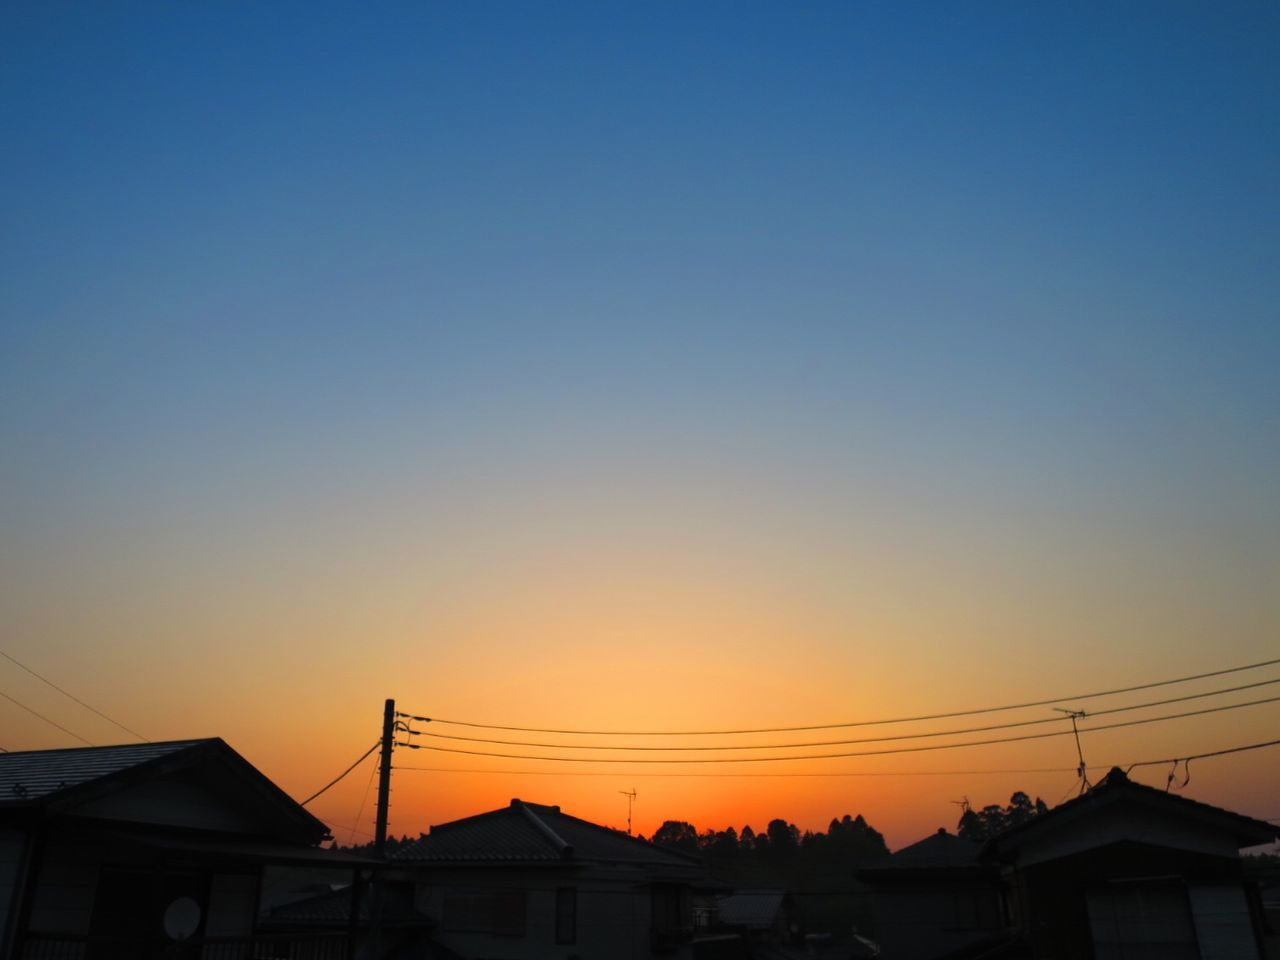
(919, 301)
(637, 205)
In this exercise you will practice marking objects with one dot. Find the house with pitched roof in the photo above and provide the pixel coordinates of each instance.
(1122, 871)
(530, 882)
(936, 897)
(152, 850)
(1127, 870)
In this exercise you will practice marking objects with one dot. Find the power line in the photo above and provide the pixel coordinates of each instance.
(364, 798)
(833, 743)
(342, 774)
(347, 826)
(851, 773)
(1203, 756)
(51, 723)
(851, 723)
(862, 753)
(71, 696)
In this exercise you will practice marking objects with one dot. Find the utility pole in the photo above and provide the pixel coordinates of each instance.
(384, 778)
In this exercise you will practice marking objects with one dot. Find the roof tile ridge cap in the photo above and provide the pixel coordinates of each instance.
(564, 848)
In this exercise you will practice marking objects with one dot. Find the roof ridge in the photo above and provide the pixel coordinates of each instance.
(562, 846)
(110, 746)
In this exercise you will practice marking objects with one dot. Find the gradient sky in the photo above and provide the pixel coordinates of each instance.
(639, 365)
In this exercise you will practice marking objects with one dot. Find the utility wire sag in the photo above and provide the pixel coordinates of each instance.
(336, 779)
(857, 753)
(854, 773)
(52, 723)
(836, 743)
(72, 696)
(851, 723)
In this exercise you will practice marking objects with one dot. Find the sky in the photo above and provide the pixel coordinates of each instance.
(621, 366)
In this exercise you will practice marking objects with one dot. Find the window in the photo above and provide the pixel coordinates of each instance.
(566, 915)
(1142, 920)
(670, 907)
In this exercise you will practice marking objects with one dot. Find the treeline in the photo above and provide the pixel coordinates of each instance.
(980, 825)
(849, 840)
(393, 844)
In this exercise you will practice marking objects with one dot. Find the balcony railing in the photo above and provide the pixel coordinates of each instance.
(316, 946)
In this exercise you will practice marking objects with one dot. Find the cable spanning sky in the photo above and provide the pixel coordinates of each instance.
(638, 366)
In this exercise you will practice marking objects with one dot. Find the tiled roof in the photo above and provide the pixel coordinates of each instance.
(533, 833)
(52, 781)
(756, 909)
(32, 775)
(940, 849)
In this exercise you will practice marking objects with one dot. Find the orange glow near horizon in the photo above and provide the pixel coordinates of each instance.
(301, 697)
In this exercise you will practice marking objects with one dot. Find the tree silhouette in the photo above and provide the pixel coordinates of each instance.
(784, 839)
(980, 825)
(677, 835)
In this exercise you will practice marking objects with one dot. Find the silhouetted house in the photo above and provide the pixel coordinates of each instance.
(527, 881)
(936, 897)
(759, 913)
(1123, 871)
(150, 850)
(1126, 870)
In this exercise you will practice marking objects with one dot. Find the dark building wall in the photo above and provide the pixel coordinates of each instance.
(1052, 899)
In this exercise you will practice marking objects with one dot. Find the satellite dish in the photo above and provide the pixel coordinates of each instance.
(181, 918)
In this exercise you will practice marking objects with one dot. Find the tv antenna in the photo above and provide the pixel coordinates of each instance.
(631, 798)
(1082, 771)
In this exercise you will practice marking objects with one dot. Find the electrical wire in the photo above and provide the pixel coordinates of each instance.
(335, 780)
(72, 696)
(834, 743)
(1203, 756)
(851, 723)
(51, 723)
(348, 827)
(364, 798)
(862, 753)
(849, 773)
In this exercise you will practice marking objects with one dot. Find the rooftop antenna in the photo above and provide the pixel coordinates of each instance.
(963, 804)
(1082, 771)
(631, 798)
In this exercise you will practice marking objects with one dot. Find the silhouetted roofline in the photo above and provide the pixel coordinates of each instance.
(67, 777)
(545, 833)
(1115, 786)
